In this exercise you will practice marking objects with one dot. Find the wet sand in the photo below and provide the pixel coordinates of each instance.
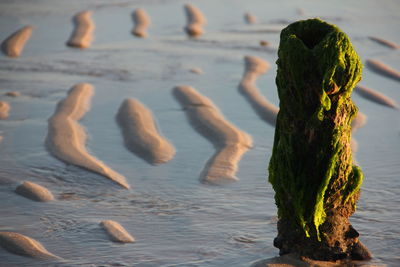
(15, 43)
(141, 134)
(116, 232)
(24, 246)
(66, 138)
(34, 192)
(82, 34)
(195, 21)
(254, 67)
(230, 142)
(142, 21)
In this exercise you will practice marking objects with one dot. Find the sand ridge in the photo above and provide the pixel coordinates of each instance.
(375, 96)
(66, 138)
(82, 34)
(4, 110)
(383, 69)
(116, 232)
(34, 192)
(141, 134)
(255, 67)
(230, 142)
(142, 21)
(195, 21)
(22, 245)
(15, 43)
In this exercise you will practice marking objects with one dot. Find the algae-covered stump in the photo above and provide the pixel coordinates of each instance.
(311, 168)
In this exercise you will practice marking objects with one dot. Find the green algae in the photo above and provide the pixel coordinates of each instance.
(311, 158)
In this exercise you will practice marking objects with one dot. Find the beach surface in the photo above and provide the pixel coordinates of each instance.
(176, 218)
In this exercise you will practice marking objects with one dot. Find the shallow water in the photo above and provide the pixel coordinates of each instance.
(176, 220)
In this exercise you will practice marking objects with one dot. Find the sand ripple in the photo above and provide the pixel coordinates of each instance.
(66, 137)
(142, 22)
(15, 43)
(383, 69)
(195, 21)
(34, 191)
(230, 142)
(141, 134)
(25, 246)
(116, 232)
(255, 67)
(82, 34)
(375, 96)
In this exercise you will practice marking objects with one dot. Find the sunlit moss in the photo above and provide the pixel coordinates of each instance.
(311, 159)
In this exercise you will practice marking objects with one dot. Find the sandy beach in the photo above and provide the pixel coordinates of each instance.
(209, 203)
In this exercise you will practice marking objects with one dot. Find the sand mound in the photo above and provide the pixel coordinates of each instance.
(255, 67)
(34, 191)
(195, 21)
(66, 138)
(116, 232)
(25, 246)
(141, 134)
(82, 34)
(4, 109)
(230, 142)
(383, 69)
(142, 22)
(15, 43)
(375, 96)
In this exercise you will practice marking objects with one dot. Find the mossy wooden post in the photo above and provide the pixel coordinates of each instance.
(311, 168)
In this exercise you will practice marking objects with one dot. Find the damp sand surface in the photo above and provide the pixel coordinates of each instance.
(176, 219)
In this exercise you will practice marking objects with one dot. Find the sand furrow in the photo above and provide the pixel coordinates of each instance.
(82, 34)
(116, 232)
(385, 42)
(25, 246)
(141, 134)
(142, 22)
(255, 67)
(195, 21)
(66, 138)
(383, 69)
(15, 43)
(230, 142)
(375, 96)
(34, 192)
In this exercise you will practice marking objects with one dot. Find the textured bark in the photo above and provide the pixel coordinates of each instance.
(311, 168)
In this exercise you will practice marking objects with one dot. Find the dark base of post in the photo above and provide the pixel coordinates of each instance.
(339, 241)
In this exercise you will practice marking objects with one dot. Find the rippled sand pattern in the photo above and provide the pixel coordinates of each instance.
(66, 138)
